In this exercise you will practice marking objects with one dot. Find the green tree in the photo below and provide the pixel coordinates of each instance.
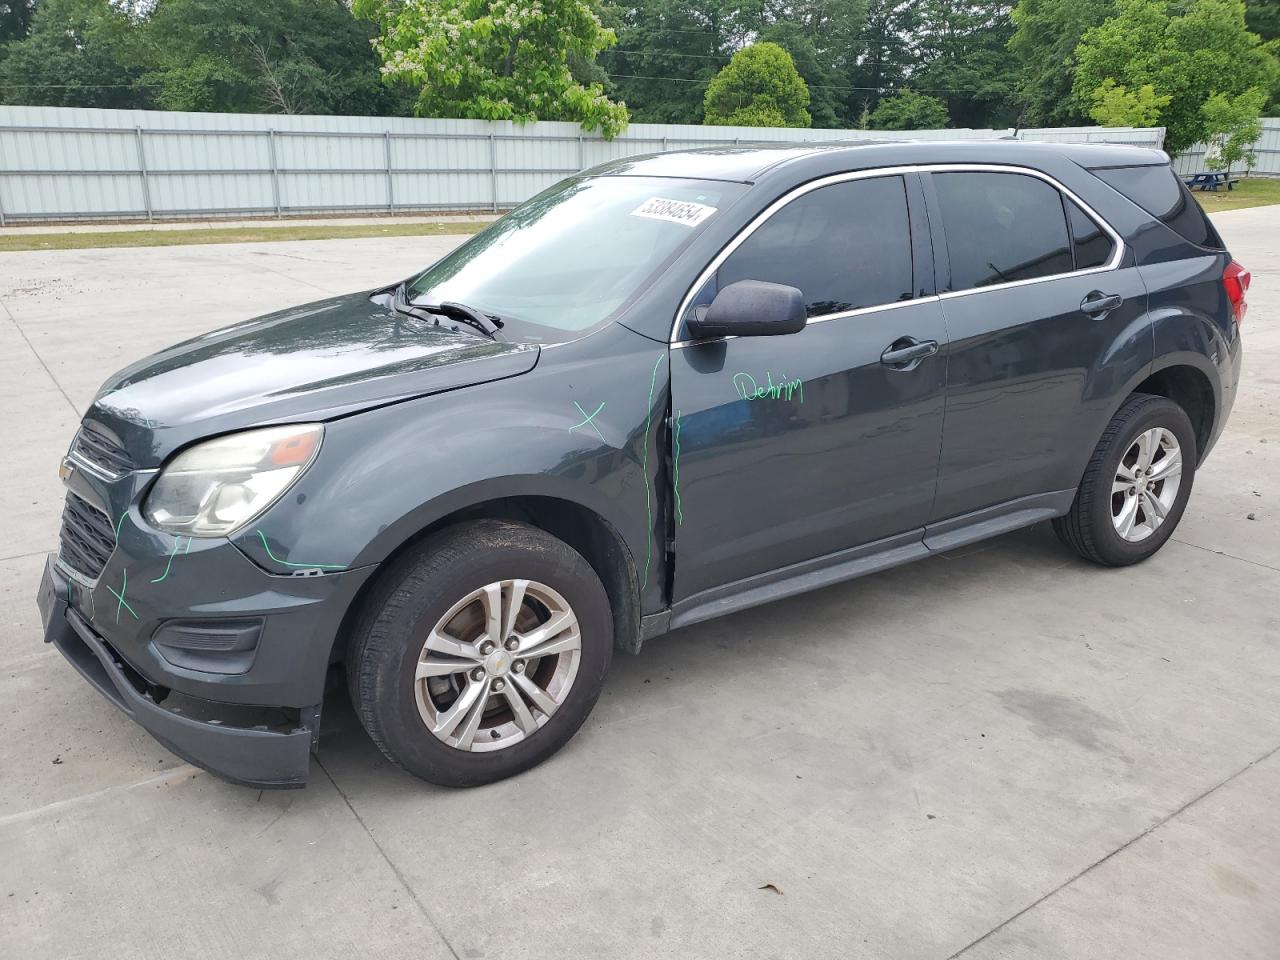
(760, 87)
(1186, 53)
(1045, 36)
(963, 53)
(821, 36)
(882, 57)
(815, 69)
(274, 56)
(667, 53)
(1116, 106)
(1263, 18)
(908, 110)
(1233, 126)
(496, 59)
(73, 56)
(15, 19)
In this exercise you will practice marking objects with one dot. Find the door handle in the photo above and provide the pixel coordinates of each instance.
(905, 353)
(1096, 302)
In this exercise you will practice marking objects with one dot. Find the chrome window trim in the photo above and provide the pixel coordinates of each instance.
(1117, 254)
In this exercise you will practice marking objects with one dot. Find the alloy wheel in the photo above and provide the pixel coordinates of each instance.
(498, 665)
(1146, 484)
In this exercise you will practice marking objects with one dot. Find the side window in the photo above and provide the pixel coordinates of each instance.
(1159, 191)
(1090, 244)
(844, 246)
(1002, 227)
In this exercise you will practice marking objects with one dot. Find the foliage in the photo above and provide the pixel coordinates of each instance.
(821, 36)
(1045, 36)
(883, 59)
(1263, 18)
(667, 53)
(760, 87)
(496, 59)
(1233, 126)
(908, 110)
(72, 56)
(15, 19)
(964, 59)
(990, 63)
(1117, 106)
(1186, 53)
(272, 56)
(818, 75)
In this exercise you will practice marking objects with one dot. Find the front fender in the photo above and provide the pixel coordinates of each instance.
(586, 426)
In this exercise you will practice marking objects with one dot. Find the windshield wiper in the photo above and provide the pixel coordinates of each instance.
(458, 311)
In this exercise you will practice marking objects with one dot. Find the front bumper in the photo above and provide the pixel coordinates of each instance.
(228, 735)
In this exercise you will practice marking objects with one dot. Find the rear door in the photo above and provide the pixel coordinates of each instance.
(1046, 324)
(793, 447)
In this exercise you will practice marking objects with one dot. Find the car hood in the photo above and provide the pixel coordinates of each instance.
(314, 362)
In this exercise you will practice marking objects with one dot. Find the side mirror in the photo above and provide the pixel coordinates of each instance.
(750, 308)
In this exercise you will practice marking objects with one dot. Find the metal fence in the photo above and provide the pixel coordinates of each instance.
(68, 164)
(1266, 148)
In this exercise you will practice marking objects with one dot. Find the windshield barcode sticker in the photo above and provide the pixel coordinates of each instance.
(676, 211)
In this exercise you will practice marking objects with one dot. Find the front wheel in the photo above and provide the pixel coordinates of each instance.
(1135, 486)
(481, 654)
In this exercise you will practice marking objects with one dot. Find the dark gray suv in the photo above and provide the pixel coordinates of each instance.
(663, 390)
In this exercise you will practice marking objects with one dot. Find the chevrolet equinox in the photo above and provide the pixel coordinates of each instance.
(663, 390)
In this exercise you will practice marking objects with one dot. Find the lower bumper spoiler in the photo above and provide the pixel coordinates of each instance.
(249, 757)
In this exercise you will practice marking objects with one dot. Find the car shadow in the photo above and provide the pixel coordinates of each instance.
(741, 645)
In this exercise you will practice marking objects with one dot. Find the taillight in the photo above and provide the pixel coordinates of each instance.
(1235, 280)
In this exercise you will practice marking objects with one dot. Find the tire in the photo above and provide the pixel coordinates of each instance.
(1092, 527)
(387, 653)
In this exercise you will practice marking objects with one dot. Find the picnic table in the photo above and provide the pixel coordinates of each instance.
(1210, 181)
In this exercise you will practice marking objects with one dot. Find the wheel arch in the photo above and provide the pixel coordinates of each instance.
(1191, 387)
(580, 526)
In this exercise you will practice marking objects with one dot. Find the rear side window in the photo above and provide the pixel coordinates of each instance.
(1090, 244)
(1002, 227)
(1157, 190)
(845, 246)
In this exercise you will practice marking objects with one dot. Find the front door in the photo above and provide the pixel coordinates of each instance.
(794, 447)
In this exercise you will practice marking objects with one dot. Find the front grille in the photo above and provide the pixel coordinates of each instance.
(100, 450)
(87, 537)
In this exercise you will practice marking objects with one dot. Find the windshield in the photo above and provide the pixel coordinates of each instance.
(572, 256)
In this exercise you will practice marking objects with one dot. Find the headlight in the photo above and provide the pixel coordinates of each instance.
(215, 487)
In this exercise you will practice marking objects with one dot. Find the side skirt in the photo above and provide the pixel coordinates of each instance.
(859, 561)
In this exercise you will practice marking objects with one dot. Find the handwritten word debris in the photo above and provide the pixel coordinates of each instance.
(748, 389)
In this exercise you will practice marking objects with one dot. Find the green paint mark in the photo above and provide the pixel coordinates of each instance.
(675, 471)
(120, 523)
(747, 388)
(177, 542)
(644, 466)
(590, 419)
(122, 604)
(287, 563)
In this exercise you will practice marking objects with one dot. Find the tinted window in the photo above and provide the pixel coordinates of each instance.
(1002, 227)
(1092, 247)
(1157, 190)
(844, 246)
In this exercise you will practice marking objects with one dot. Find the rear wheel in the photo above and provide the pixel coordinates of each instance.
(482, 653)
(1136, 485)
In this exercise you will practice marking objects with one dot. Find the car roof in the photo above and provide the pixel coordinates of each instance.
(747, 163)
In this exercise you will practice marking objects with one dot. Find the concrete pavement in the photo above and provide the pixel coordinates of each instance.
(997, 753)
